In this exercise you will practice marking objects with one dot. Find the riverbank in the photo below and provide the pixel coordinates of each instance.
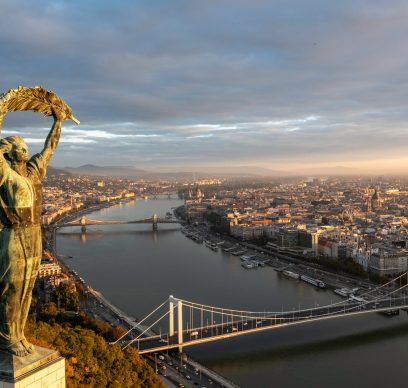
(255, 257)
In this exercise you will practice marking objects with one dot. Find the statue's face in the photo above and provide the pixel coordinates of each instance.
(20, 152)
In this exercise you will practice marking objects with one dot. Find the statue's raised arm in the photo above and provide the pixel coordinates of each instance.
(53, 137)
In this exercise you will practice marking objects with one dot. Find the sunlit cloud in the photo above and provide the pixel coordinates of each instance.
(189, 87)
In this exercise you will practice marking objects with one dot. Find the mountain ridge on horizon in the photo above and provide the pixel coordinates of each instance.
(245, 171)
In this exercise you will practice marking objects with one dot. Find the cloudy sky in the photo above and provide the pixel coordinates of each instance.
(178, 84)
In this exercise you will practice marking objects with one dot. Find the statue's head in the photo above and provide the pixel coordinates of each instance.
(19, 149)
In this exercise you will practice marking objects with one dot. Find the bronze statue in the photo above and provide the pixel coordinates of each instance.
(20, 213)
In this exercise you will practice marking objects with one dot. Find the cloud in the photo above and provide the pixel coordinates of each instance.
(261, 81)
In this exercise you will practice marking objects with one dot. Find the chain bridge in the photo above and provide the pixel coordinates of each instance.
(198, 323)
(154, 220)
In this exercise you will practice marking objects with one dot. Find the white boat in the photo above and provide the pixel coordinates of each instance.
(237, 253)
(342, 292)
(315, 282)
(248, 264)
(291, 274)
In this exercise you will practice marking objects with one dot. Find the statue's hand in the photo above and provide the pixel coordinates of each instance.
(5, 146)
(59, 115)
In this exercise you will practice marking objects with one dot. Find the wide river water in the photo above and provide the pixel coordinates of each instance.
(137, 269)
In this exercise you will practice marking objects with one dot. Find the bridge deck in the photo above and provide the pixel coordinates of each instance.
(89, 222)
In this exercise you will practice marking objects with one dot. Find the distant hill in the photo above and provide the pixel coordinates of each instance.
(56, 171)
(203, 171)
(329, 171)
(118, 171)
(132, 172)
(244, 171)
(241, 170)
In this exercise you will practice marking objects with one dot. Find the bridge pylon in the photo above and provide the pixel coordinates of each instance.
(154, 221)
(83, 224)
(172, 301)
(180, 324)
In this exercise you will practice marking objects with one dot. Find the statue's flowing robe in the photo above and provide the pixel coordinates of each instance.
(20, 244)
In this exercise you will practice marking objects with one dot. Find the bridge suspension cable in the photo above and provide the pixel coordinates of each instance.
(144, 331)
(140, 322)
(214, 308)
(285, 316)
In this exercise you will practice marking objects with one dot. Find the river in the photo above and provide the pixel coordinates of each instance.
(137, 269)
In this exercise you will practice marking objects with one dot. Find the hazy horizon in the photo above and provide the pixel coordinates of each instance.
(219, 170)
(283, 85)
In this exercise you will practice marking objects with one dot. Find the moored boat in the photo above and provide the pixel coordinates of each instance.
(291, 274)
(248, 265)
(342, 292)
(315, 282)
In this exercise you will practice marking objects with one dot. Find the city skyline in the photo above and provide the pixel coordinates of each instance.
(281, 85)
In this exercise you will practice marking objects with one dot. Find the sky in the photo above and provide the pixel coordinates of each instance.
(182, 84)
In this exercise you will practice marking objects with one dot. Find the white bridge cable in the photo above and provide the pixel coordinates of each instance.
(186, 302)
(288, 317)
(147, 329)
(214, 308)
(140, 322)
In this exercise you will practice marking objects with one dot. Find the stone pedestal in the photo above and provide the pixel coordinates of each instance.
(42, 369)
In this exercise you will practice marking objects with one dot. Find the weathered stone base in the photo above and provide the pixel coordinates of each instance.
(43, 369)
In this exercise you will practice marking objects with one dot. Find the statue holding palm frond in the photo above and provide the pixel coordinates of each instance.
(20, 212)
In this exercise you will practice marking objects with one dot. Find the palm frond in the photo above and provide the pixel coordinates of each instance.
(37, 99)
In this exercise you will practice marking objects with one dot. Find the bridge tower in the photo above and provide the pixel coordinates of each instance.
(171, 315)
(175, 303)
(154, 221)
(180, 324)
(83, 224)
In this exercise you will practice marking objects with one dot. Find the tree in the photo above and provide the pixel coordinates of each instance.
(90, 361)
(66, 296)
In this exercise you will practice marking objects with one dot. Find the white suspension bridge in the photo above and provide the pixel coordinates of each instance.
(198, 323)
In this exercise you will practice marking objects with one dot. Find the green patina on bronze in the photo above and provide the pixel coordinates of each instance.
(20, 239)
